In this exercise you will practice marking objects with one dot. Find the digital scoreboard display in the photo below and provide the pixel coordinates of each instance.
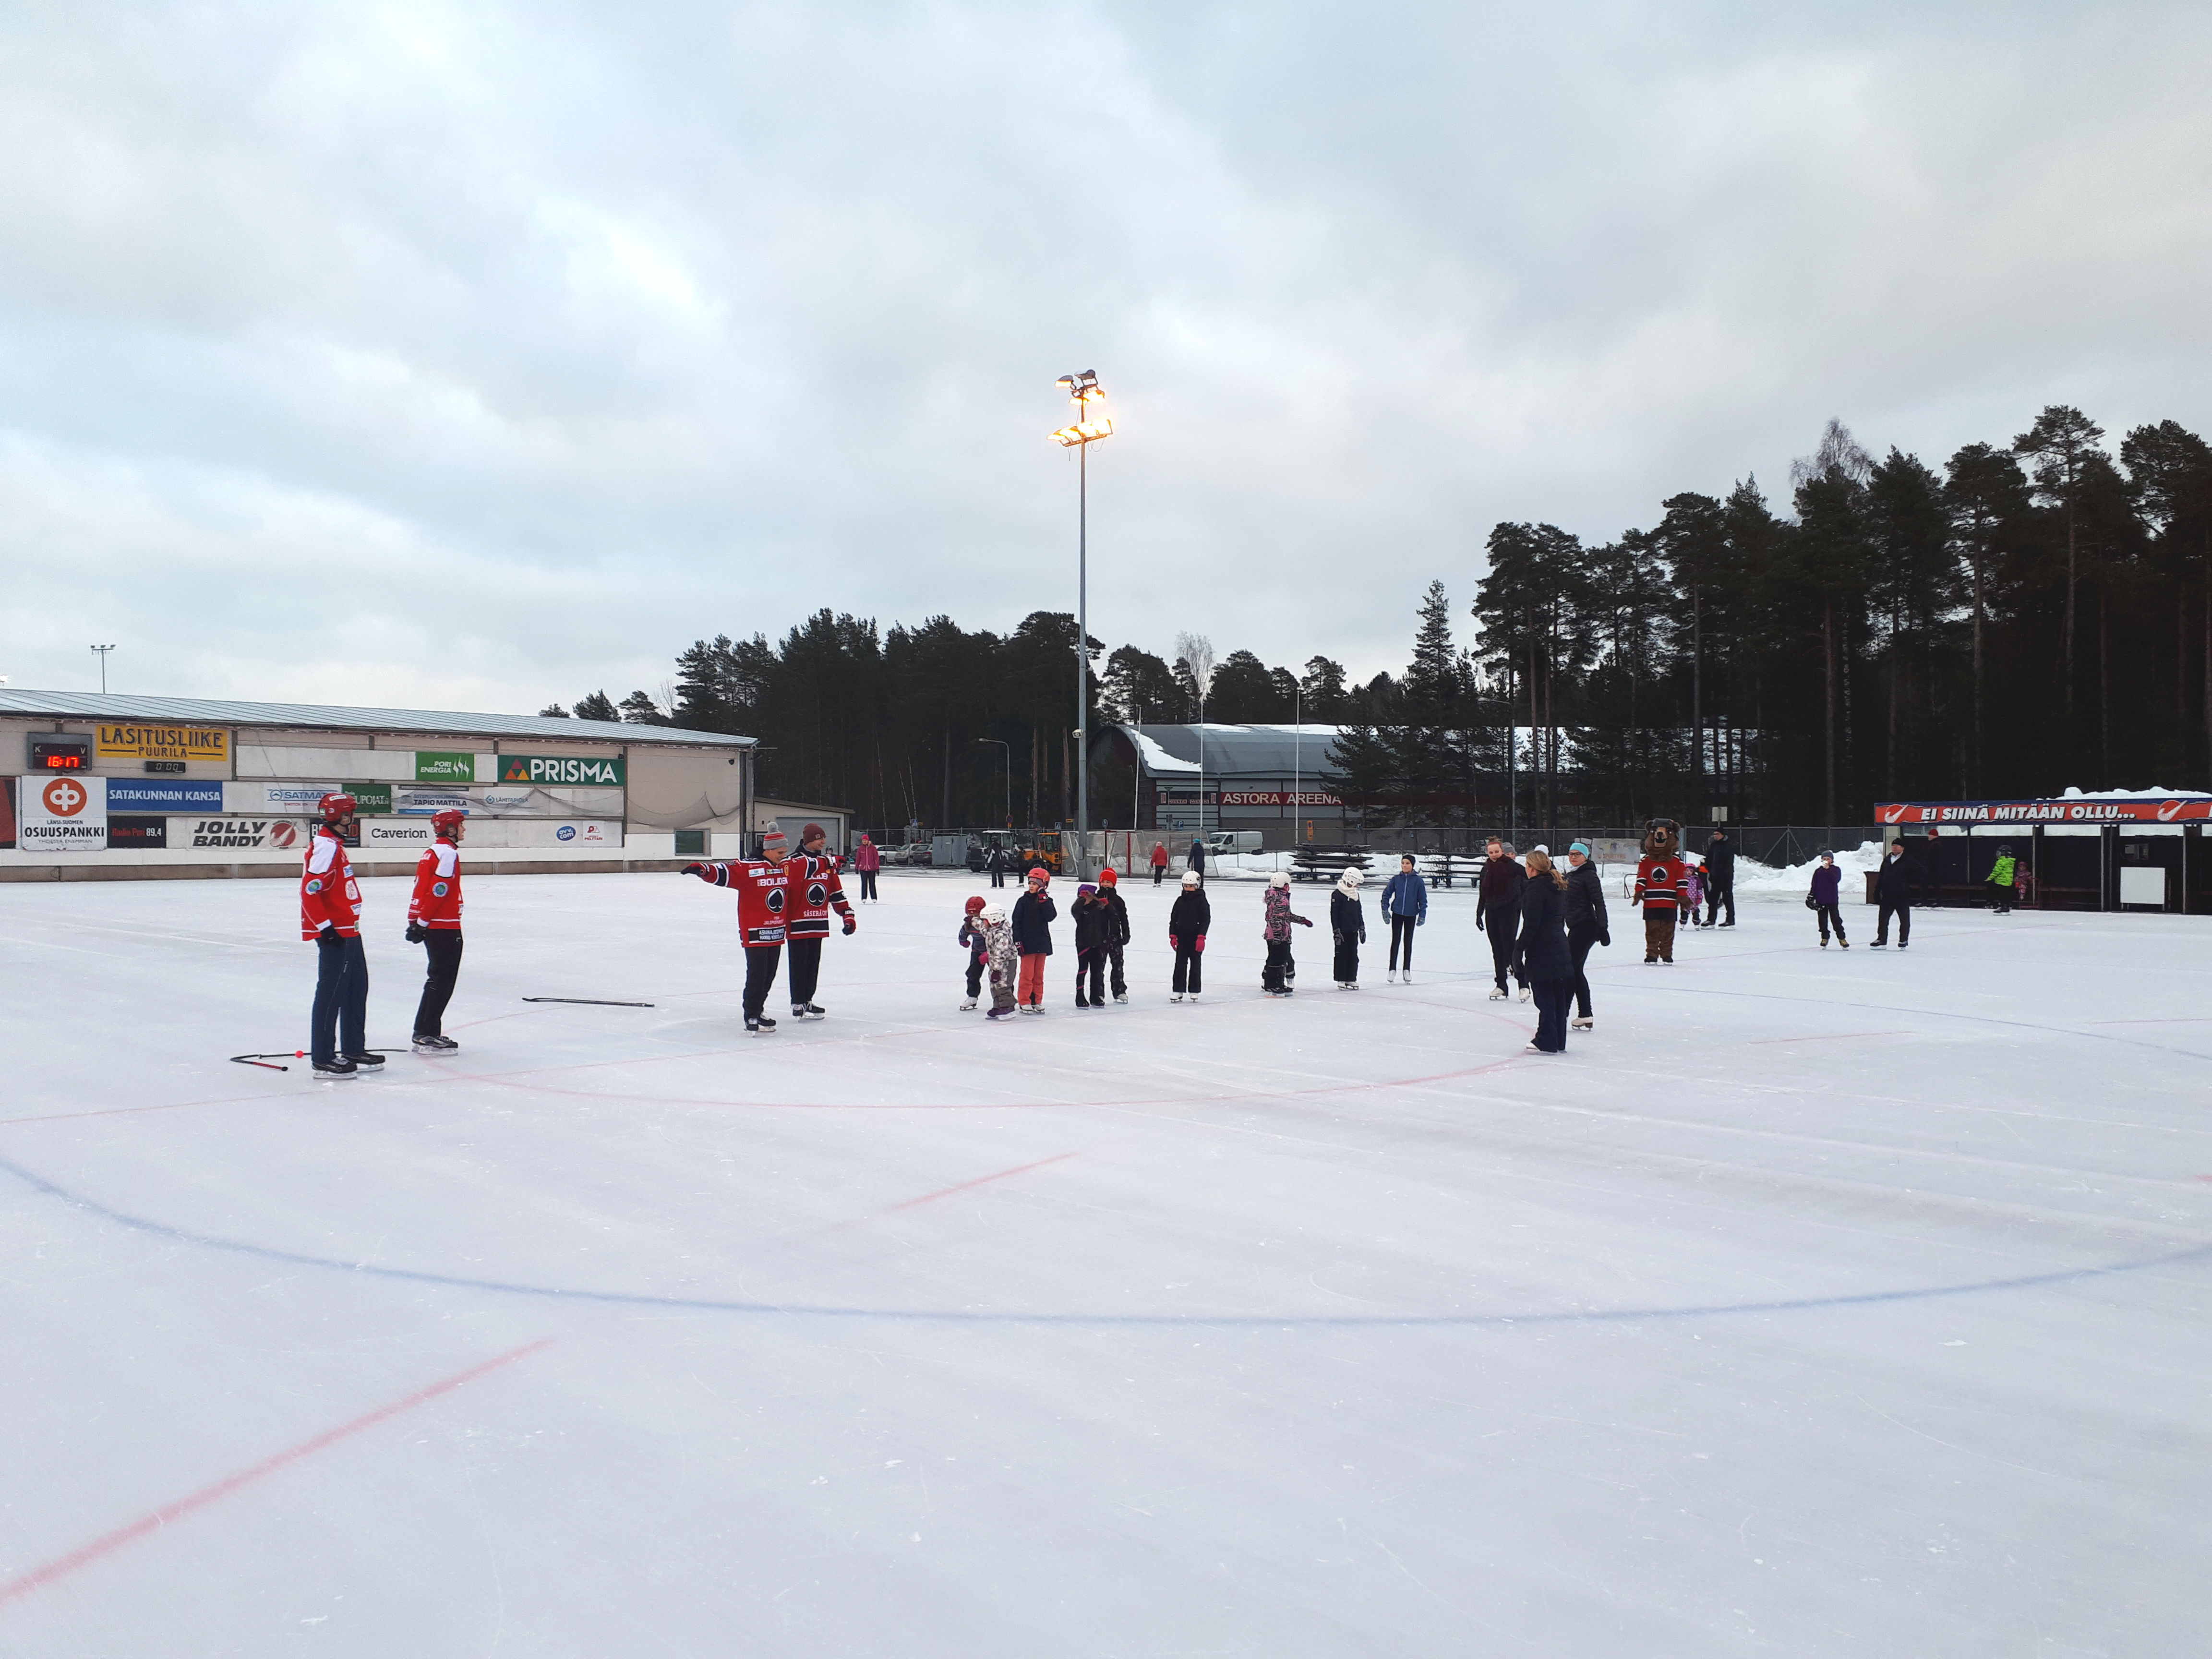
(61, 754)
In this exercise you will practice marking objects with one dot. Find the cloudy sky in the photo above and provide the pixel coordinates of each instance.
(480, 355)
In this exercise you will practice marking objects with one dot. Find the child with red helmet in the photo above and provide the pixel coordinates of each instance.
(979, 949)
(330, 914)
(434, 922)
(1031, 926)
(1117, 935)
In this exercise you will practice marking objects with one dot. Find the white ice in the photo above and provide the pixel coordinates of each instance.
(1819, 1304)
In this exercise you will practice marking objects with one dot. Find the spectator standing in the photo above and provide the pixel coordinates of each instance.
(1198, 854)
(996, 864)
(1720, 877)
(1542, 952)
(1587, 925)
(1893, 893)
(867, 858)
(1405, 907)
(1159, 861)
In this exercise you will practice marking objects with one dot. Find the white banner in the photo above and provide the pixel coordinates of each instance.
(64, 814)
(246, 834)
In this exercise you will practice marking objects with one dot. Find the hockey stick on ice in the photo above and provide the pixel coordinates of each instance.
(594, 1002)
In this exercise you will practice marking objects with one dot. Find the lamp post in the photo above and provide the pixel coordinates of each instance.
(1009, 748)
(1084, 390)
(1298, 760)
(103, 650)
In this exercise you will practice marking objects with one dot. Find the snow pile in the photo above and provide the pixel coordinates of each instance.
(1791, 882)
(2072, 794)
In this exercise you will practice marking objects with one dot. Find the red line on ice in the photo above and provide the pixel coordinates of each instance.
(153, 1520)
(980, 1181)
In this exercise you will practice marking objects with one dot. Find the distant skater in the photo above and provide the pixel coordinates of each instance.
(1542, 915)
(1159, 861)
(1405, 906)
(1188, 923)
(868, 860)
(1586, 925)
(1347, 925)
(763, 890)
(971, 935)
(1823, 897)
(1720, 878)
(330, 914)
(1497, 912)
(1893, 893)
(1089, 914)
(1275, 978)
(1116, 940)
(996, 864)
(434, 922)
(1659, 889)
(2003, 874)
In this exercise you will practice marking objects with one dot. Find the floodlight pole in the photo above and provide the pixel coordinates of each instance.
(103, 650)
(1083, 661)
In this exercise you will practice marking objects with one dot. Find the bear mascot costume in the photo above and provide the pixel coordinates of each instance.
(1660, 878)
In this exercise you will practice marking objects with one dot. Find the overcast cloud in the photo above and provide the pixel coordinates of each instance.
(479, 356)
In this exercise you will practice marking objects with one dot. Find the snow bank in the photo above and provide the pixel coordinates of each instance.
(1790, 882)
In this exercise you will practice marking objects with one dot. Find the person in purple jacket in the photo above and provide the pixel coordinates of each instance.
(1827, 886)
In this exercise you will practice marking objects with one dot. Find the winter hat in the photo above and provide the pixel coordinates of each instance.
(772, 845)
(812, 832)
(1825, 853)
(991, 915)
(1582, 846)
(1190, 877)
(1279, 879)
(1540, 848)
(975, 901)
(1088, 890)
(1107, 878)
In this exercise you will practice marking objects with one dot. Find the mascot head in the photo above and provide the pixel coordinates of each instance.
(1663, 838)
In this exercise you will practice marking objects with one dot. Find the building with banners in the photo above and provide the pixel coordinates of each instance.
(2121, 849)
(95, 784)
(1183, 778)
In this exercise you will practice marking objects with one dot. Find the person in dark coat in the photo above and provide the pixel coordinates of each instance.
(1543, 953)
(1117, 932)
(1198, 854)
(1347, 921)
(1587, 925)
(1720, 877)
(1823, 897)
(996, 864)
(1496, 912)
(1892, 892)
(1188, 923)
(1088, 914)
(1031, 926)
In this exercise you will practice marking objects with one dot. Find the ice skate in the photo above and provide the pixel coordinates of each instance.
(1845, 943)
(1879, 945)
(1582, 1023)
(1175, 996)
(1901, 944)
(998, 1013)
(1081, 1003)
(1406, 978)
(434, 1045)
(1392, 978)
(1526, 993)
(336, 1068)
(968, 1006)
(758, 1024)
(809, 1010)
(1498, 993)
(1121, 996)
(366, 1062)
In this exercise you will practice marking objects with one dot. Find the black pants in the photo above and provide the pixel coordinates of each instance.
(341, 1012)
(1159, 870)
(1188, 969)
(806, 970)
(444, 948)
(1347, 959)
(867, 884)
(1505, 945)
(760, 975)
(1552, 996)
(1280, 970)
(975, 966)
(1115, 982)
(1830, 915)
(1999, 897)
(1716, 897)
(998, 878)
(1889, 907)
(1401, 934)
(1091, 975)
(1579, 941)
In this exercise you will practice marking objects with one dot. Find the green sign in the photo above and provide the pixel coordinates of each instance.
(604, 770)
(371, 800)
(432, 767)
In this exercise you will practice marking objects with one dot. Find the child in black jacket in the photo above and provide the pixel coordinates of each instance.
(1117, 930)
(1348, 922)
(1089, 914)
(1187, 925)
(979, 949)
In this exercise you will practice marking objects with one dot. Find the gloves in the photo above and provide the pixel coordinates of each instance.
(416, 932)
(1605, 939)
(1174, 944)
(1478, 927)
(852, 924)
(698, 870)
(1305, 921)
(1200, 947)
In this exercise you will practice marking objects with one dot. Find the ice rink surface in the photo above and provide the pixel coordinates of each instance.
(1819, 1303)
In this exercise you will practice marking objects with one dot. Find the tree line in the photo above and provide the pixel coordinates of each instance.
(2034, 614)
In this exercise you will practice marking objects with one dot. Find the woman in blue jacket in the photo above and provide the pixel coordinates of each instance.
(1405, 907)
(1542, 948)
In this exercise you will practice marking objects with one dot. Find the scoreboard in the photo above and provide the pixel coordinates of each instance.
(60, 754)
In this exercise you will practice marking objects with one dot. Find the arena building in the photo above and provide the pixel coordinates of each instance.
(1266, 778)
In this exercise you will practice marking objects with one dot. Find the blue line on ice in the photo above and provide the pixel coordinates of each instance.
(970, 1316)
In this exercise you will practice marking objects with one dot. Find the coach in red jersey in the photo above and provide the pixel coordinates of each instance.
(815, 890)
(434, 922)
(763, 901)
(330, 914)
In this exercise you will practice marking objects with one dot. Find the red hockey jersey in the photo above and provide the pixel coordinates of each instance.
(437, 900)
(763, 896)
(329, 895)
(1660, 883)
(815, 889)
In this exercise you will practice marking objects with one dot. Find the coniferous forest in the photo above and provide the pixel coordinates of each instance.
(2033, 613)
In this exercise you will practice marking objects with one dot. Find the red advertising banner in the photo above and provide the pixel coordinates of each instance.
(2075, 810)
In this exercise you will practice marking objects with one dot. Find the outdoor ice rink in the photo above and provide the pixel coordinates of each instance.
(1822, 1303)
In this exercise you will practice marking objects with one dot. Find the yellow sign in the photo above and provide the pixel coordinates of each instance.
(185, 743)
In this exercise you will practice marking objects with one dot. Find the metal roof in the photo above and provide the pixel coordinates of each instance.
(114, 705)
(1252, 752)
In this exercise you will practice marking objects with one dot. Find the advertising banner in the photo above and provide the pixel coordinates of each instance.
(268, 797)
(174, 743)
(240, 835)
(2136, 810)
(605, 770)
(166, 795)
(63, 814)
(7, 812)
(132, 832)
(443, 766)
(385, 833)
(1277, 798)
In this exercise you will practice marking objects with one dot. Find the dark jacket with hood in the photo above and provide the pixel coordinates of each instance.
(1720, 864)
(1893, 881)
(1543, 947)
(1031, 923)
(1192, 917)
(1586, 917)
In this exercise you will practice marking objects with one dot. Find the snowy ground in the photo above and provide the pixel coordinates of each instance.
(1822, 1303)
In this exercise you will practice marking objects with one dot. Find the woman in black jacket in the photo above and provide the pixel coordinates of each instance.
(1187, 924)
(1586, 925)
(1542, 948)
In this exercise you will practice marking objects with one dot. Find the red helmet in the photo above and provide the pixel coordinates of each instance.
(337, 807)
(975, 901)
(446, 822)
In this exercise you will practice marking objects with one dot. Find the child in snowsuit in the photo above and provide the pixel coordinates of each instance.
(999, 957)
(1031, 922)
(1117, 932)
(1275, 978)
(1826, 890)
(1088, 914)
(1694, 894)
(971, 935)
(1188, 924)
(1347, 923)
(2002, 875)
